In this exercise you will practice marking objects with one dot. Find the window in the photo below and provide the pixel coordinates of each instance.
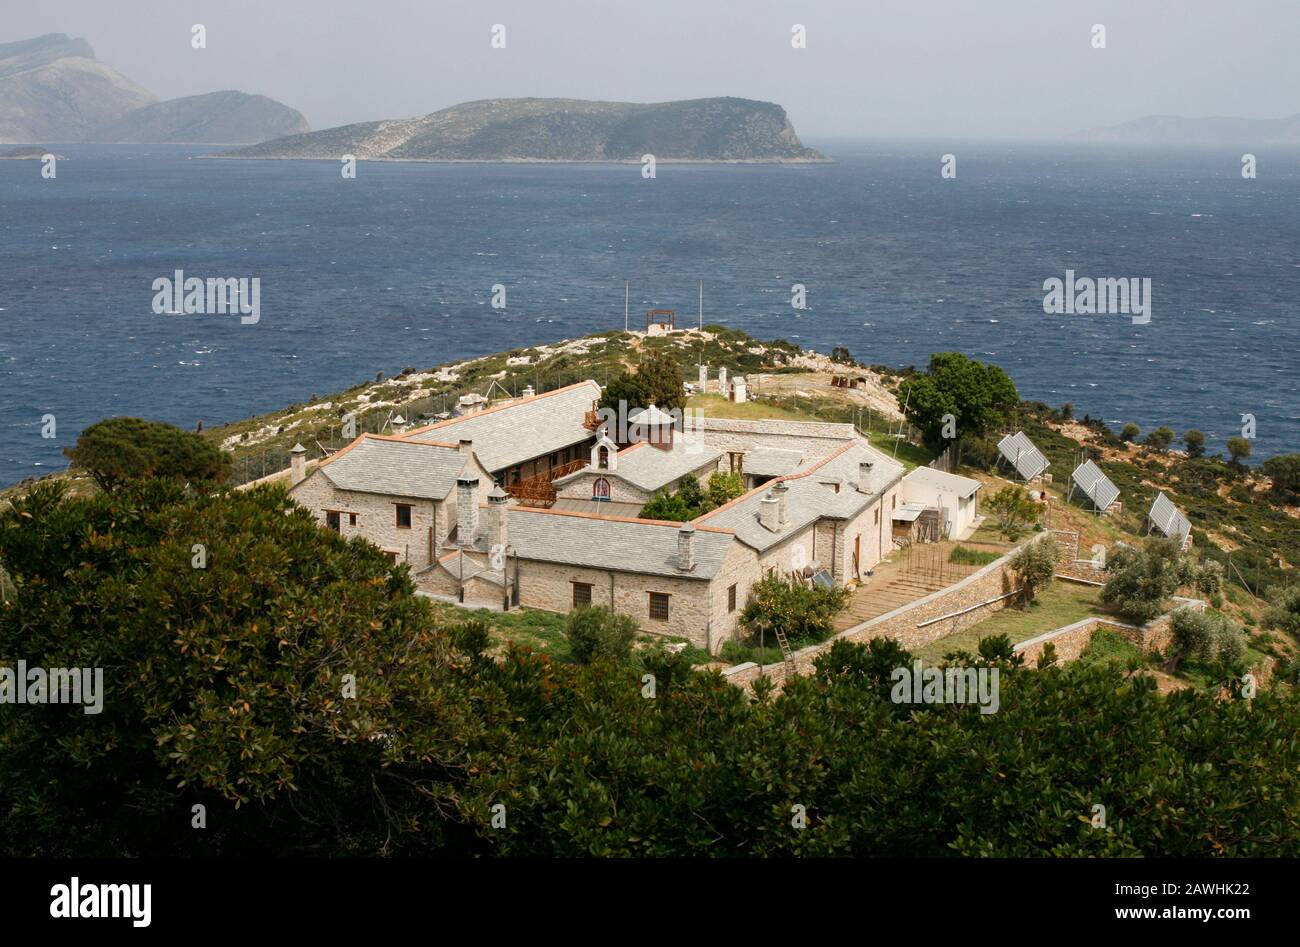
(352, 519)
(581, 594)
(731, 599)
(332, 520)
(403, 515)
(392, 556)
(893, 501)
(877, 519)
(600, 489)
(659, 606)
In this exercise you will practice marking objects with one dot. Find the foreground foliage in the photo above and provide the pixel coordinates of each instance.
(224, 688)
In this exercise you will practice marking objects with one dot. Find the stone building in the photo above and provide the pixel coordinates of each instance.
(819, 502)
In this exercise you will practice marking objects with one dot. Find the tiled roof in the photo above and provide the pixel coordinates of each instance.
(649, 468)
(522, 429)
(812, 496)
(390, 465)
(603, 542)
(772, 461)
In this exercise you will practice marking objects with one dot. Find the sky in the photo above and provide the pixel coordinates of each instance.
(870, 68)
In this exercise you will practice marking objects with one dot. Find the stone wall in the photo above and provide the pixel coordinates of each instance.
(1072, 640)
(817, 439)
(918, 623)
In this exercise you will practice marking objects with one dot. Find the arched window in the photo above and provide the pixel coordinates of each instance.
(600, 489)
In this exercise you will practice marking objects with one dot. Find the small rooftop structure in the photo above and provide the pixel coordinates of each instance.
(1096, 486)
(1020, 452)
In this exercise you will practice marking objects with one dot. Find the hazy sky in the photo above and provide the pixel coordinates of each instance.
(890, 68)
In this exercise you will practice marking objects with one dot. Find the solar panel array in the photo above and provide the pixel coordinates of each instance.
(1169, 519)
(1089, 478)
(1021, 453)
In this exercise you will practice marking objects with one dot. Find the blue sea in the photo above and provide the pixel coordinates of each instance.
(396, 269)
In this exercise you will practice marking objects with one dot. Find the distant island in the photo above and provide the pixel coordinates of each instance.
(563, 130)
(26, 153)
(53, 89)
(1175, 129)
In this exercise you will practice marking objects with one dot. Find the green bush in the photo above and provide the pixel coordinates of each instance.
(1208, 638)
(805, 612)
(1141, 581)
(116, 450)
(594, 631)
(1034, 566)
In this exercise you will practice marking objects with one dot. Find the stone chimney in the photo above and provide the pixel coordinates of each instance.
(686, 547)
(769, 513)
(498, 531)
(399, 425)
(466, 508)
(466, 448)
(704, 378)
(864, 475)
(780, 490)
(297, 465)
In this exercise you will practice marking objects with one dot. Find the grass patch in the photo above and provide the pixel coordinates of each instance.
(1110, 647)
(1061, 603)
(973, 557)
(539, 630)
(736, 652)
(716, 406)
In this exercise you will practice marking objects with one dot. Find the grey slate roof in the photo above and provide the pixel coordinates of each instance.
(811, 496)
(649, 468)
(399, 468)
(522, 429)
(590, 542)
(772, 461)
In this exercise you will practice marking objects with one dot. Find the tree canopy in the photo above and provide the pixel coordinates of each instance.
(977, 395)
(119, 449)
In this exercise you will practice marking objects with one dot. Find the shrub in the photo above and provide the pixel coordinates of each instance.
(1195, 441)
(1206, 637)
(1014, 509)
(1284, 471)
(1142, 580)
(1238, 449)
(972, 557)
(1209, 578)
(116, 450)
(1161, 437)
(805, 612)
(723, 488)
(1131, 432)
(1034, 565)
(978, 452)
(1283, 612)
(594, 631)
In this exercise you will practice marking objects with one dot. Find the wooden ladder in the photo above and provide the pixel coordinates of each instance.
(786, 653)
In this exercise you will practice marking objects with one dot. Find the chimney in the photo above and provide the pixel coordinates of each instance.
(466, 448)
(769, 513)
(781, 489)
(686, 547)
(529, 391)
(399, 425)
(297, 465)
(864, 476)
(466, 509)
(704, 378)
(498, 534)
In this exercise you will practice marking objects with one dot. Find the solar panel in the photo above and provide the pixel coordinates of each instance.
(1169, 519)
(1021, 453)
(1089, 478)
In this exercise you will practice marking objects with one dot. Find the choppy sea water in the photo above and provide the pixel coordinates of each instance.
(396, 269)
